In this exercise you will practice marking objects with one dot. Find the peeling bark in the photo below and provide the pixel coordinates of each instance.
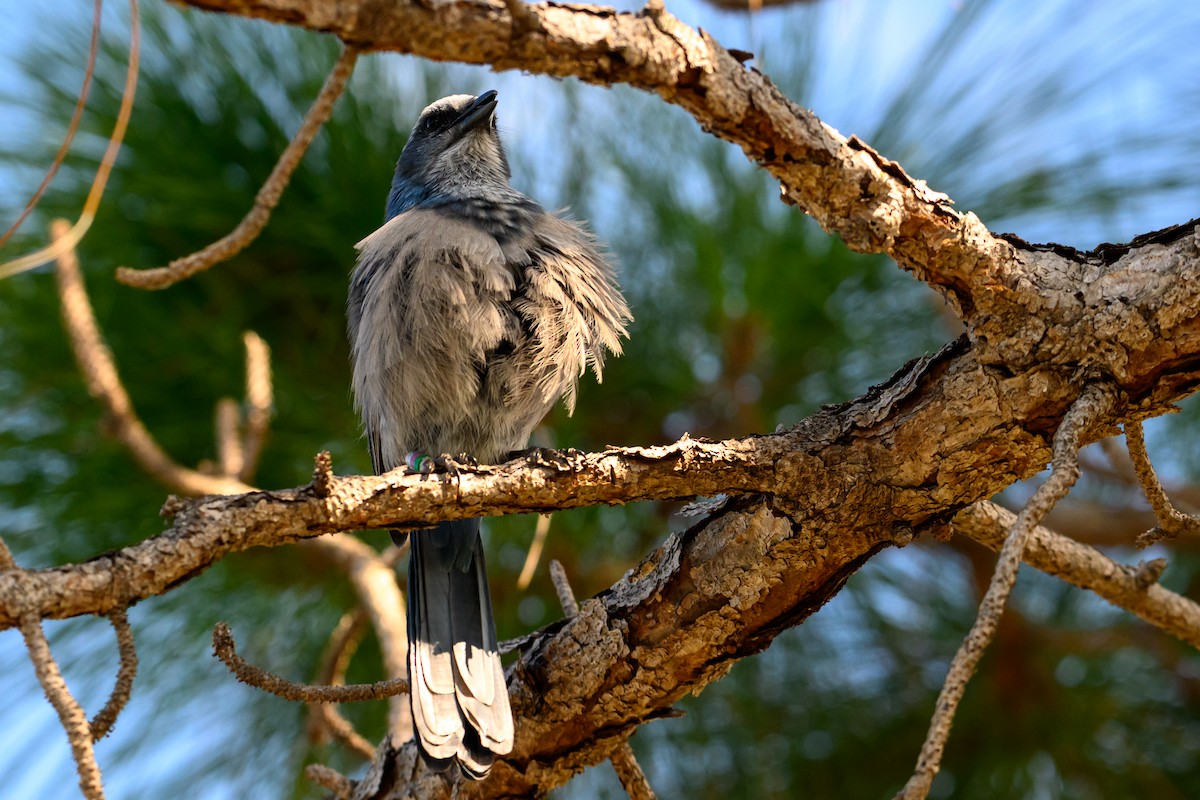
(810, 504)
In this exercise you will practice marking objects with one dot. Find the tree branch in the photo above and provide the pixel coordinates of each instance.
(1088, 568)
(846, 186)
(1009, 292)
(74, 721)
(100, 374)
(268, 196)
(1171, 521)
(226, 650)
(102, 725)
(1097, 401)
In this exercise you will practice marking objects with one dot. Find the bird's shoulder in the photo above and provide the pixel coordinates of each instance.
(426, 232)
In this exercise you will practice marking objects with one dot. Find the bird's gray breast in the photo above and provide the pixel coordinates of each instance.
(443, 323)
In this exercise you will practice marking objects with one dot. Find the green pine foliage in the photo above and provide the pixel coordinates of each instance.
(747, 317)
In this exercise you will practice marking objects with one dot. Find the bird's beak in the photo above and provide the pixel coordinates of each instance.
(478, 113)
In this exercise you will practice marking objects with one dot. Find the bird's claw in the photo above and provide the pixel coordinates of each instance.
(423, 464)
(549, 457)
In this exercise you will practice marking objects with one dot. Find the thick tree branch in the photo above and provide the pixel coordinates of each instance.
(817, 500)
(850, 189)
(872, 462)
(1002, 287)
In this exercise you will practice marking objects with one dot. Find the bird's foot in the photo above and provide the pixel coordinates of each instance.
(423, 464)
(548, 457)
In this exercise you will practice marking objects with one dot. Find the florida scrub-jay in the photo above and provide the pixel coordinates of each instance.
(471, 312)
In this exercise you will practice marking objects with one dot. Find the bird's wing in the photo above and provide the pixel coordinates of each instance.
(573, 300)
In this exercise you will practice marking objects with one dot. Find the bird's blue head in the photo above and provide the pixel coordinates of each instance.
(453, 153)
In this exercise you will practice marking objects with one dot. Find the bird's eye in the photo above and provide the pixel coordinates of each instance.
(436, 121)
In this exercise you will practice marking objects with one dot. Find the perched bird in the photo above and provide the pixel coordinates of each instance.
(471, 312)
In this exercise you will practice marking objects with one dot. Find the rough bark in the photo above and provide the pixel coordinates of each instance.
(812, 503)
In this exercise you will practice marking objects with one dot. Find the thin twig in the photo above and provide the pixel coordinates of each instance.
(566, 596)
(126, 672)
(100, 374)
(329, 778)
(230, 455)
(341, 646)
(629, 772)
(535, 551)
(325, 719)
(226, 650)
(259, 399)
(1171, 521)
(1118, 457)
(265, 201)
(378, 592)
(1086, 567)
(70, 714)
(1095, 401)
(335, 723)
(72, 127)
(72, 235)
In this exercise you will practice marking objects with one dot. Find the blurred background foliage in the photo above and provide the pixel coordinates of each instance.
(1062, 120)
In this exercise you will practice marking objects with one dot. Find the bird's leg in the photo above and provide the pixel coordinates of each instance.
(420, 463)
(451, 466)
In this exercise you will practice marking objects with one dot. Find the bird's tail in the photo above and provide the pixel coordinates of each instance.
(459, 698)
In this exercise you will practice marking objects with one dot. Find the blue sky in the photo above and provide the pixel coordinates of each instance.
(864, 51)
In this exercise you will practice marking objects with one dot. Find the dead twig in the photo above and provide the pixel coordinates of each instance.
(1171, 521)
(72, 234)
(72, 127)
(259, 399)
(230, 455)
(535, 551)
(630, 774)
(1127, 587)
(126, 672)
(264, 202)
(239, 446)
(70, 714)
(325, 719)
(1096, 400)
(329, 778)
(566, 596)
(226, 650)
(100, 374)
(375, 584)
